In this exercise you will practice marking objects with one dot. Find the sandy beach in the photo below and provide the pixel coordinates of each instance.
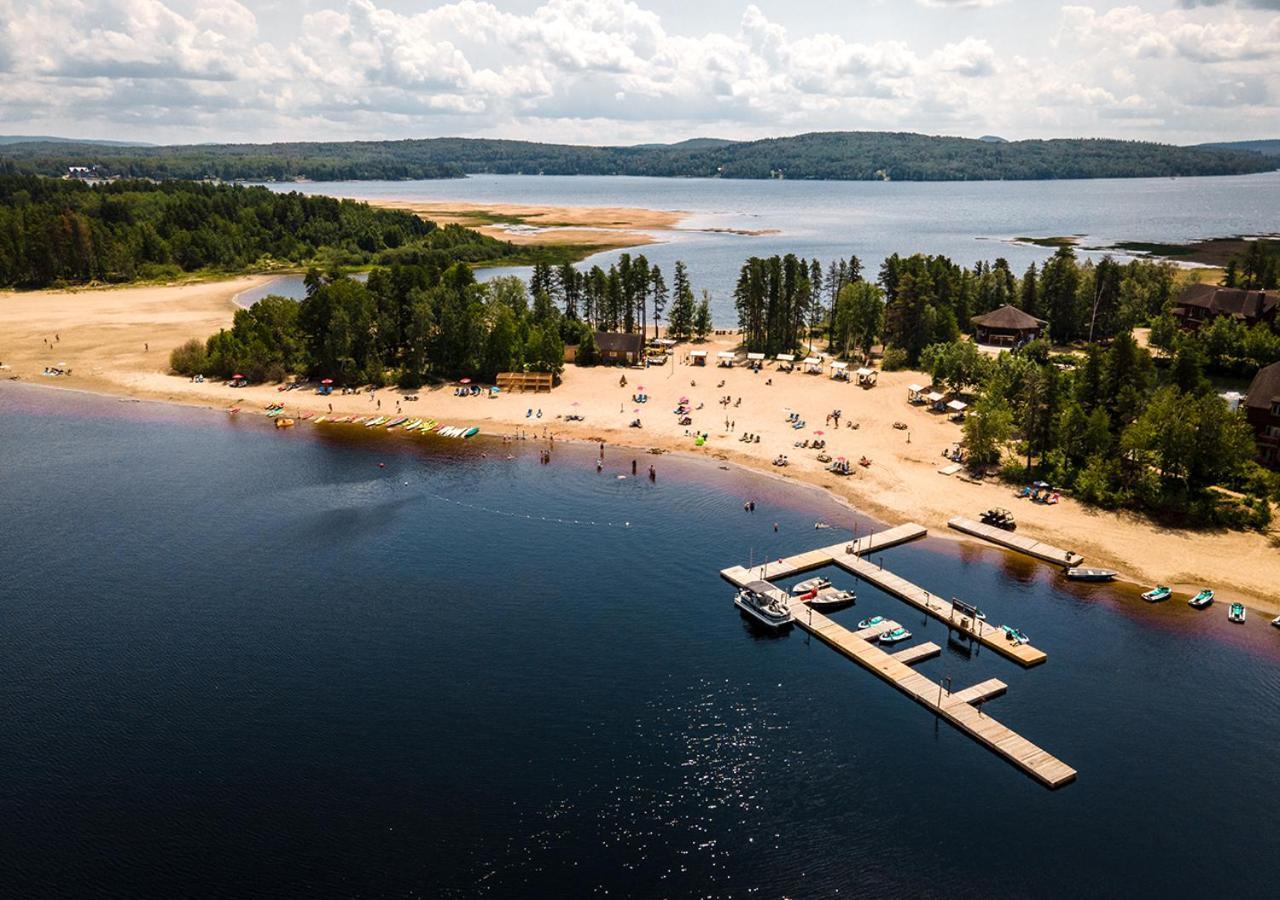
(528, 225)
(117, 342)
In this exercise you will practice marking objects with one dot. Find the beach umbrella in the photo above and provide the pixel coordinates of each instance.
(819, 431)
(326, 381)
(465, 381)
(236, 377)
(639, 387)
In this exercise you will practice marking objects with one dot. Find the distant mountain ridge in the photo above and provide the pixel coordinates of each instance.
(1265, 147)
(48, 139)
(846, 156)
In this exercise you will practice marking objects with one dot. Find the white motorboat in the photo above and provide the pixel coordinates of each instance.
(810, 586)
(765, 603)
(830, 598)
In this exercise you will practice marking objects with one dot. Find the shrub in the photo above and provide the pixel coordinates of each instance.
(189, 359)
(895, 358)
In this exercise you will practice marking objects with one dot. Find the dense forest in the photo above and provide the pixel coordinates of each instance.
(55, 231)
(852, 156)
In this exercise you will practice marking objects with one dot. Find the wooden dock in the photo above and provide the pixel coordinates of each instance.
(849, 556)
(956, 707)
(1022, 544)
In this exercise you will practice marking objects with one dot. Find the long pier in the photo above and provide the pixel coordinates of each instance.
(960, 707)
(1022, 544)
(850, 557)
(957, 707)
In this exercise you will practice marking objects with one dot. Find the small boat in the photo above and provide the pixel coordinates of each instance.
(896, 636)
(375, 421)
(765, 604)
(284, 423)
(1158, 593)
(1276, 621)
(1202, 599)
(1236, 613)
(829, 598)
(412, 424)
(471, 432)
(233, 410)
(811, 585)
(317, 420)
(397, 422)
(870, 623)
(426, 426)
(358, 420)
(1082, 573)
(1013, 634)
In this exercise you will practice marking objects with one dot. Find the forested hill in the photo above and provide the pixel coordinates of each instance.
(852, 156)
(1265, 147)
(55, 231)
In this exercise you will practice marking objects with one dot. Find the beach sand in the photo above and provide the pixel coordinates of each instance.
(103, 332)
(527, 225)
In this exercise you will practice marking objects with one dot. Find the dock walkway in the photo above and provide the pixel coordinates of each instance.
(956, 707)
(1020, 543)
(849, 556)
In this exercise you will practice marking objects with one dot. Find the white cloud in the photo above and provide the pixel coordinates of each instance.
(616, 71)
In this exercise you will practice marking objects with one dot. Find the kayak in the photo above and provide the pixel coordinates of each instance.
(1156, 594)
(471, 432)
(396, 423)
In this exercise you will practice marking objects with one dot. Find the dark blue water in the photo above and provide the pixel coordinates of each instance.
(238, 662)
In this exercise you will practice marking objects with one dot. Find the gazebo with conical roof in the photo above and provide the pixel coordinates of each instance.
(1007, 325)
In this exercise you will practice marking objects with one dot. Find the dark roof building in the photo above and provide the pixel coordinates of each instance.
(1262, 410)
(618, 347)
(1007, 325)
(1201, 303)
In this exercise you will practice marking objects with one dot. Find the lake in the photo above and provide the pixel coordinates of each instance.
(967, 221)
(330, 663)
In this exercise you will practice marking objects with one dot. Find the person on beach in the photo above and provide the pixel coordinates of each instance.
(633, 467)
(653, 474)
(599, 467)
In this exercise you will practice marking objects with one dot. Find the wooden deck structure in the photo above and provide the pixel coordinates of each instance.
(538, 382)
(956, 707)
(1021, 543)
(850, 556)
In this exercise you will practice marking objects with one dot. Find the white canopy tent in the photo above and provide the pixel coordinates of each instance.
(864, 372)
(934, 397)
(756, 357)
(786, 357)
(698, 357)
(813, 364)
(957, 406)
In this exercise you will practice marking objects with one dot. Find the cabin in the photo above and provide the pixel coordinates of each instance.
(620, 349)
(1262, 411)
(1007, 326)
(1200, 304)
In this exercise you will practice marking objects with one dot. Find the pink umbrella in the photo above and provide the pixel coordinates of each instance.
(465, 381)
(640, 387)
(819, 432)
(326, 381)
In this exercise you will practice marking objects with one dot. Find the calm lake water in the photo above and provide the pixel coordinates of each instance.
(237, 662)
(967, 221)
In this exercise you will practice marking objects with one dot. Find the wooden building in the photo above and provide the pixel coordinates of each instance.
(1200, 304)
(620, 349)
(1007, 326)
(1262, 410)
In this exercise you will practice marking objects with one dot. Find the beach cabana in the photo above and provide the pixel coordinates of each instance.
(936, 400)
(915, 394)
(866, 377)
(786, 362)
(957, 408)
(726, 358)
(840, 371)
(697, 357)
(813, 365)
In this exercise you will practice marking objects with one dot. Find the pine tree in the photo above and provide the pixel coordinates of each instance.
(680, 324)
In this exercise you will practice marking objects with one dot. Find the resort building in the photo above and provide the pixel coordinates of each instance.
(1007, 326)
(1262, 410)
(1202, 303)
(624, 349)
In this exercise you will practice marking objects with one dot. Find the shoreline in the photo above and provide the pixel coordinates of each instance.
(103, 337)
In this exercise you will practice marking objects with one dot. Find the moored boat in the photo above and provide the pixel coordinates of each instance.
(471, 432)
(1202, 599)
(1014, 635)
(397, 422)
(1084, 573)
(810, 585)
(895, 636)
(870, 623)
(829, 598)
(1276, 621)
(765, 604)
(1237, 613)
(1158, 593)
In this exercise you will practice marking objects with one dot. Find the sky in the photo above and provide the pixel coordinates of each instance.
(633, 71)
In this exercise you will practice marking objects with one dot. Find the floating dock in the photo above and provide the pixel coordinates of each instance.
(849, 556)
(1030, 546)
(956, 707)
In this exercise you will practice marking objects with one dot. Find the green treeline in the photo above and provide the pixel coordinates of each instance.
(56, 231)
(408, 323)
(851, 156)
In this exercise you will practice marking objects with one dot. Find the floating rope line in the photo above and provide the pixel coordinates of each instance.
(514, 515)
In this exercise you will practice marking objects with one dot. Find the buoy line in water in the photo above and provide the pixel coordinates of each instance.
(533, 518)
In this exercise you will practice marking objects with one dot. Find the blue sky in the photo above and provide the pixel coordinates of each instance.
(625, 71)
